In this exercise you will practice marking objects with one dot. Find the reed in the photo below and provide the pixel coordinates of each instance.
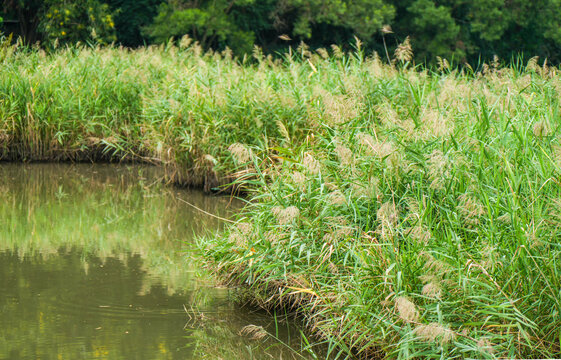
(405, 212)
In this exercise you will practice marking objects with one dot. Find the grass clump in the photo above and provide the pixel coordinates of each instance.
(421, 223)
(405, 213)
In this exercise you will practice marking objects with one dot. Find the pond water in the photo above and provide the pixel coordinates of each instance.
(99, 262)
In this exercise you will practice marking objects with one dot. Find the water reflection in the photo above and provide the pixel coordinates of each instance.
(94, 263)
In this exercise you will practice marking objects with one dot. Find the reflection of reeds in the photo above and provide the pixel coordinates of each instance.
(103, 210)
(278, 339)
(115, 301)
(454, 170)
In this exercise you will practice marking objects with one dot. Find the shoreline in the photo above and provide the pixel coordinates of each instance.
(405, 212)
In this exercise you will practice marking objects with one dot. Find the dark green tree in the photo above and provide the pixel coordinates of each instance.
(68, 21)
(225, 22)
(73, 21)
(459, 30)
(363, 17)
(22, 18)
(209, 22)
(467, 29)
(130, 17)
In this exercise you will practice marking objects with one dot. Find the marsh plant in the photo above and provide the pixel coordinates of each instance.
(404, 212)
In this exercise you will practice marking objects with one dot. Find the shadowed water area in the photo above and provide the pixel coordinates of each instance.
(98, 262)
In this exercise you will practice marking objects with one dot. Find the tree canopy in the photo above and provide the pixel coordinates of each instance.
(460, 30)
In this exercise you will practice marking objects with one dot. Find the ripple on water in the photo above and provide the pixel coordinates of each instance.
(91, 266)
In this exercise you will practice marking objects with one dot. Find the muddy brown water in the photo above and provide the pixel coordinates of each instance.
(100, 262)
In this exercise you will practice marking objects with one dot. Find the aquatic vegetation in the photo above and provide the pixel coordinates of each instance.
(404, 212)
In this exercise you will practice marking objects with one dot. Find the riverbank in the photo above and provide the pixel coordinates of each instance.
(404, 213)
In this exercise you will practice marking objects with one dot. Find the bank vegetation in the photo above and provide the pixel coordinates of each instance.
(404, 212)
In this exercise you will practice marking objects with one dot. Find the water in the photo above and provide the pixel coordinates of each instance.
(99, 262)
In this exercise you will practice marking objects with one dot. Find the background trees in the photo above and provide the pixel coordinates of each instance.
(212, 23)
(130, 17)
(467, 29)
(72, 21)
(61, 20)
(460, 30)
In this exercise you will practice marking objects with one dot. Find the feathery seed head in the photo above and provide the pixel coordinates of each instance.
(388, 214)
(345, 155)
(227, 53)
(311, 164)
(337, 221)
(285, 216)
(428, 278)
(368, 190)
(388, 115)
(541, 129)
(323, 53)
(383, 150)
(337, 52)
(436, 124)
(240, 152)
(435, 331)
(274, 236)
(185, 42)
(404, 51)
(338, 109)
(470, 210)
(438, 169)
(420, 234)
(299, 180)
(442, 64)
(283, 130)
(406, 309)
(485, 345)
(505, 218)
(244, 228)
(533, 239)
(387, 29)
(338, 234)
(337, 198)
(496, 62)
(276, 210)
(241, 233)
(367, 141)
(533, 64)
(414, 207)
(236, 238)
(434, 265)
(254, 332)
(304, 50)
(432, 290)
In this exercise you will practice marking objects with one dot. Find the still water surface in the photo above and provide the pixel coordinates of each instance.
(98, 262)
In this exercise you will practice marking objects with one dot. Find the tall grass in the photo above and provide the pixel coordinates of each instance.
(405, 213)
(158, 104)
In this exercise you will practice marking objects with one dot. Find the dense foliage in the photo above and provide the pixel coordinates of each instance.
(406, 213)
(60, 21)
(459, 30)
(465, 28)
(130, 17)
(70, 22)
